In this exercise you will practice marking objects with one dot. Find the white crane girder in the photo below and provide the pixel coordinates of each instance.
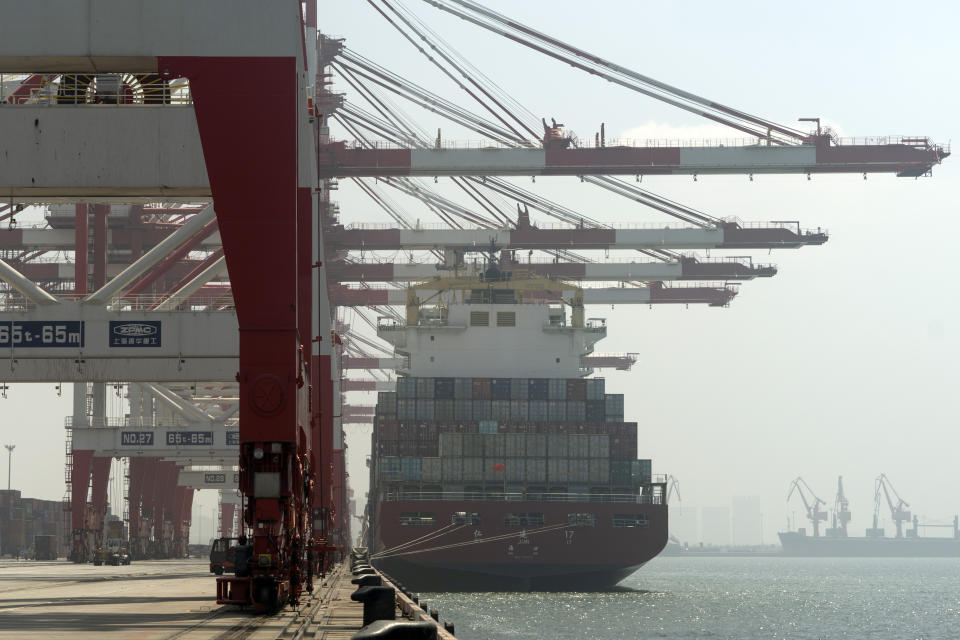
(74, 342)
(217, 479)
(196, 444)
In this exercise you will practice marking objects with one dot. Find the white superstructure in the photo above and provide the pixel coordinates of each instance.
(487, 330)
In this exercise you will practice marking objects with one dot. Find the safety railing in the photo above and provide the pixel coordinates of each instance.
(655, 143)
(12, 301)
(143, 423)
(551, 226)
(520, 496)
(96, 89)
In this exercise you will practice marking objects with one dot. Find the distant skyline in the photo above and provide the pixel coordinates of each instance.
(842, 364)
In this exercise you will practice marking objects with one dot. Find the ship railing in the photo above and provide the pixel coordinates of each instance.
(520, 496)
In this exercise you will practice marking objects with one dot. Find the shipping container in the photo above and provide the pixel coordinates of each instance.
(410, 469)
(578, 469)
(535, 470)
(481, 388)
(425, 408)
(642, 471)
(452, 469)
(482, 410)
(579, 446)
(428, 449)
(386, 403)
(488, 426)
(596, 388)
(557, 470)
(518, 410)
(599, 446)
(500, 388)
(425, 388)
(576, 410)
(614, 402)
(557, 446)
(406, 408)
(463, 388)
(406, 387)
(430, 470)
(388, 448)
(463, 409)
(443, 388)
(493, 446)
(576, 389)
(493, 474)
(614, 417)
(390, 468)
(515, 445)
(444, 410)
(408, 448)
(519, 388)
(387, 430)
(536, 445)
(515, 468)
(472, 469)
(472, 445)
(557, 389)
(451, 445)
(408, 430)
(620, 472)
(595, 410)
(538, 389)
(538, 410)
(556, 410)
(600, 470)
(500, 410)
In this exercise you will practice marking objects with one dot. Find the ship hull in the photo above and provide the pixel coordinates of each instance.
(491, 556)
(795, 544)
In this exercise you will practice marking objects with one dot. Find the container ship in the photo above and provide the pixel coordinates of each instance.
(497, 465)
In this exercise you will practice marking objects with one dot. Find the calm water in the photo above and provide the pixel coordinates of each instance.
(737, 598)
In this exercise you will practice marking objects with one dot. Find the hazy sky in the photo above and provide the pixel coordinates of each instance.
(844, 363)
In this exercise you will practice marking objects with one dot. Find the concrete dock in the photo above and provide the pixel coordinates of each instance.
(163, 600)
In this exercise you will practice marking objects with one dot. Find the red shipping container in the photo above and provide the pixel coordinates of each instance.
(481, 388)
(576, 389)
(387, 430)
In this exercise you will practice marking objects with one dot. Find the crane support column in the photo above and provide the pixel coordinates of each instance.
(254, 180)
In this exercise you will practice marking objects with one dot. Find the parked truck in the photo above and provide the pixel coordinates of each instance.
(45, 547)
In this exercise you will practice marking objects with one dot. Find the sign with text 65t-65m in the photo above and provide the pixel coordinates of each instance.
(41, 333)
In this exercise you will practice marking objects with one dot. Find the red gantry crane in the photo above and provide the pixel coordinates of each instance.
(814, 513)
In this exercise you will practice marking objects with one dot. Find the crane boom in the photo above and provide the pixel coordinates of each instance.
(897, 511)
(814, 513)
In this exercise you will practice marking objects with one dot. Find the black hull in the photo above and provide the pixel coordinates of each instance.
(798, 545)
(463, 577)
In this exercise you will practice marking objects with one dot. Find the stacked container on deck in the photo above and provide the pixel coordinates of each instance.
(552, 434)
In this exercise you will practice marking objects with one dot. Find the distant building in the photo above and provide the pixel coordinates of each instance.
(747, 520)
(684, 524)
(715, 525)
(22, 519)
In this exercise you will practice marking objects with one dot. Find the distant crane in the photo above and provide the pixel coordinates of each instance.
(814, 513)
(673, 487)
(841, 512)
(897, 511)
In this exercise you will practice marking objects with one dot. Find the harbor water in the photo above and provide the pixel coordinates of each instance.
(741, 598)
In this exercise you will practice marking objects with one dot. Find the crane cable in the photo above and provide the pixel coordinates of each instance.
(466, 543)
(424, 538)
(618, 74)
